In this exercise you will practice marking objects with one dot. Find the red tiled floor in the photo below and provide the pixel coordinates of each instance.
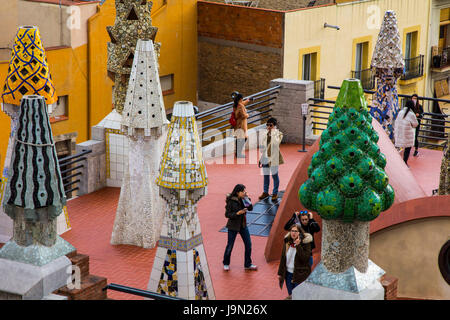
(92, 218)
(426, 168)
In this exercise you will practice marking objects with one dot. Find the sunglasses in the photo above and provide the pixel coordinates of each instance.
(303, 213)
(269, 125)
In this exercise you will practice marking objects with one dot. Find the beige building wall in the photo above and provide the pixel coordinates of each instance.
(65, 26)
(358, 22)
(8, 27)
(50, 18)
(410, 251)
(77, 21)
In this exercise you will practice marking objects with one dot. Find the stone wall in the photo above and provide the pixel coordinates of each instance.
(226, 68)
(238, 49)
(287, 109)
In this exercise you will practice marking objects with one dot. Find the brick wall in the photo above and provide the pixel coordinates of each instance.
(224, 69)
(238, 49)
(246, 25)
(285, 4)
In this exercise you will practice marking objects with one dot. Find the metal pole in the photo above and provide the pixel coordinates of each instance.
(305, 107)
(304, 135)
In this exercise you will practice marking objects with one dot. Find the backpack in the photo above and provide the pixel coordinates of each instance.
(233, 120)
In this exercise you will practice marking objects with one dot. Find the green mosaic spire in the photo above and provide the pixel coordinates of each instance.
(346, 178)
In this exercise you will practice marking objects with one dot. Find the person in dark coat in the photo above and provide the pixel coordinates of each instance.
(294, 265)
(309, 225)
(418, 110)
(237, 205)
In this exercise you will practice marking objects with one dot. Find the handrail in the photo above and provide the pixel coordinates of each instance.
(224, 106)
(413, 67)
(139, 292)
(401, 96)
(82, 153)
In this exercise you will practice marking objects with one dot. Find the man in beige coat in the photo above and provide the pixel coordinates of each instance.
(271, 157)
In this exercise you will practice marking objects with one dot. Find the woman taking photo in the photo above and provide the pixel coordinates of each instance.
(241, 115)
(237, 205)
(294, 263)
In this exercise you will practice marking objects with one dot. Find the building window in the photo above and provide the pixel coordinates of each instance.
(444, 261)
(60, 109)
(362, 56)
(361, 64)
(167, 84)
(309, 66)
(306, 67)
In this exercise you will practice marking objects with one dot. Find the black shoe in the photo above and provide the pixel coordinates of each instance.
(416, 153)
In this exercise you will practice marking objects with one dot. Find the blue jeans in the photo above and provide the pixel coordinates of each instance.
(289, 284)
(267, 171)
(245, 235)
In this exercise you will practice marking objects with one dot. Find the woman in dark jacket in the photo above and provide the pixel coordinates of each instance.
(294, 265)
(237, 205)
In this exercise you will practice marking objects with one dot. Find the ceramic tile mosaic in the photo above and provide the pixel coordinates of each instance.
(201, 292)
(133, 21)
(182, 181)
(168, 283)
(28, 72)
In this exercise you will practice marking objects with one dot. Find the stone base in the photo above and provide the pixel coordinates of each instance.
(36, 255)
(21, 281)
(349, 285)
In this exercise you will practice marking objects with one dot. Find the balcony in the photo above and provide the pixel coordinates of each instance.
(367, 77)
(440, 61)
(413, 68)
(319, 89)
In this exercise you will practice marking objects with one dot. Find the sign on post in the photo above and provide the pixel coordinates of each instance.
(305, 107)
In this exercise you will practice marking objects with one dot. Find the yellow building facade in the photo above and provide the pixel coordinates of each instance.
(359, 23)
(76, 46)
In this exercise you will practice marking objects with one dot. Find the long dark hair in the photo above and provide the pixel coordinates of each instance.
(237, 188)
(409, 106)
(236, 98)
(301, 235)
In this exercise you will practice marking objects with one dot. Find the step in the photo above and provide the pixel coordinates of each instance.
(91, 289)
(71, 254)
(53, 296)
(81, 261)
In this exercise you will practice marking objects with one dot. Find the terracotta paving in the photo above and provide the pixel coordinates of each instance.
(92, 218)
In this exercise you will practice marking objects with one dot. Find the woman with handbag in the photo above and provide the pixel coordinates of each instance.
(240, 116)
(294, 265)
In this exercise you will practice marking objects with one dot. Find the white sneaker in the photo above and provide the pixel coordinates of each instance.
(252, 267)
(226, 267)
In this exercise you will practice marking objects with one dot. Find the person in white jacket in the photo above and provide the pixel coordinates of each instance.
(404, 132)
(271, 157)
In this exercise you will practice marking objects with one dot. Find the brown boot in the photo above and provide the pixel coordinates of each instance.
(263, 195)
(274, 197)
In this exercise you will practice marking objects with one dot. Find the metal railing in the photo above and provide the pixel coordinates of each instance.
(413, 68)
(68, 171)
(432, 127)
(319, 88)
(139, 292)
(215, 121)
(367, 77)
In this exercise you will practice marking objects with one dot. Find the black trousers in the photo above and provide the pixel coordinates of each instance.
(416, 140)
(406, 154)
